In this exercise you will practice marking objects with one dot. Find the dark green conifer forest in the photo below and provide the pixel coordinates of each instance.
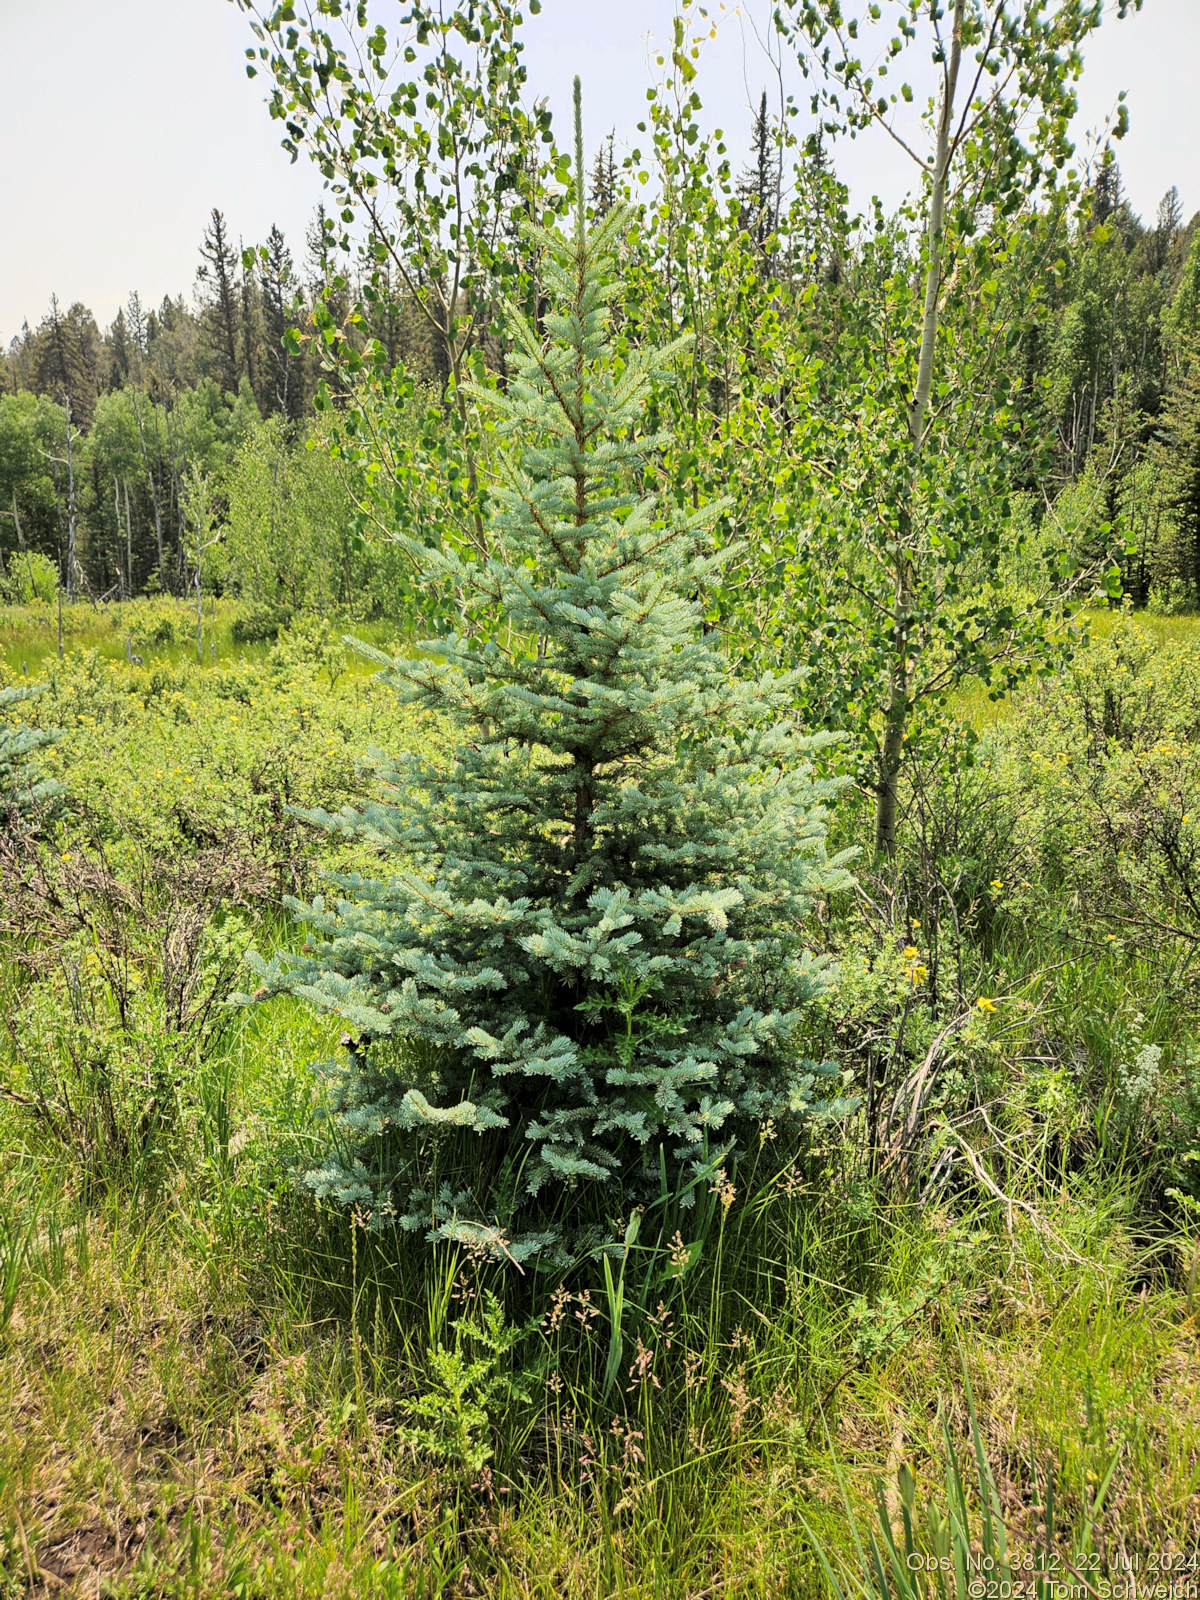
(600, 844)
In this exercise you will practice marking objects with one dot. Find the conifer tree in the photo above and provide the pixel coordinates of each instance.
(585, 967)
(758, 186)
(22, 790)
(604, 179)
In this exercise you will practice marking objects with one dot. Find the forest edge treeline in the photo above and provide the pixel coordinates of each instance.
(165, 392)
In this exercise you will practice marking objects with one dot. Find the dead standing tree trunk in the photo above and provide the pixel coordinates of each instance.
(71, 519)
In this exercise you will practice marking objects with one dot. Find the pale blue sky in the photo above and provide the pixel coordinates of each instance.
(122, 122)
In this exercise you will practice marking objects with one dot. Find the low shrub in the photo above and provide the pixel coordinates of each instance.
(1110, 754)
(156, 624)
(261, 623)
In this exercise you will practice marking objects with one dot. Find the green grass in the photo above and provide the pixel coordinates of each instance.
(29, 634)
(973, 702)
(1163, 630)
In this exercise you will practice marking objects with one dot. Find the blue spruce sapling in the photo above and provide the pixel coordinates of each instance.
(587, 956)
(22, 790)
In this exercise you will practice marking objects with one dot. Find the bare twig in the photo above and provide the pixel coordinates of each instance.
(1010, 1202)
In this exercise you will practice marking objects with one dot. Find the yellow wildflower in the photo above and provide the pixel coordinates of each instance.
(985, 1004)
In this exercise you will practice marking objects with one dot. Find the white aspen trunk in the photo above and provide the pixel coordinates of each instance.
(117, 553)
(178, 479)
(899, 703)
(23, 547)
(128, 544)
(200, 547)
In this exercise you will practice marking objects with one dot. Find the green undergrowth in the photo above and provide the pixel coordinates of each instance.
(211, 1385)
(173, 760)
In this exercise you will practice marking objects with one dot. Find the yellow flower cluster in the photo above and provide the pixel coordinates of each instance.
(917, 971)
